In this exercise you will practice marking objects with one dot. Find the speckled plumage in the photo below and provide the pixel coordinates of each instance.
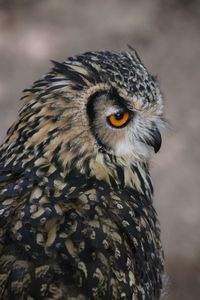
(76, 213)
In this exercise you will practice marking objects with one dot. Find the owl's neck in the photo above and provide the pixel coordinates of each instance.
(118, 173)
(115, 171)
(62, 164)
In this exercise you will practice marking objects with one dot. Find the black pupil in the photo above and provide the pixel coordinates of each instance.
(118, 116)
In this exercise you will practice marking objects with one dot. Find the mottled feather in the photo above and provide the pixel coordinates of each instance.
(76, 214)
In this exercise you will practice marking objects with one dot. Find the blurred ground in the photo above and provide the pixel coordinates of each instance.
(166, 35)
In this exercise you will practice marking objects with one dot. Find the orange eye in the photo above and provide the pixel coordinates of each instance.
(119, 119)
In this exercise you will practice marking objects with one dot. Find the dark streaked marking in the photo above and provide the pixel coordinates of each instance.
(56, 87)
(94, 74)
(68, 72)
(91, 104)
(120, 173)
(91, 114)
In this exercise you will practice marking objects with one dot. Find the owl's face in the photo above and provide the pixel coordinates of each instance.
(118, 106)
(95, 107)
(121, 126)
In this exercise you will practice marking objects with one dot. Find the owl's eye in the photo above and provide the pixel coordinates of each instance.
(119, 120)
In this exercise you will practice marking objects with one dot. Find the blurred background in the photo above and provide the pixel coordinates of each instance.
(166, 34)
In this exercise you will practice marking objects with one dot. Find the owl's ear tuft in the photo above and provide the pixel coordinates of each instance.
(134, 54)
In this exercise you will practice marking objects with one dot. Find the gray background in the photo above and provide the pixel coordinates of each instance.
(167, 36)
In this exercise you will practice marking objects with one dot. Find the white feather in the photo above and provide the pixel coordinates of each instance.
(131, 147)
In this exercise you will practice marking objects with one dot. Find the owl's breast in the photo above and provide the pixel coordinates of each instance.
(97, 242)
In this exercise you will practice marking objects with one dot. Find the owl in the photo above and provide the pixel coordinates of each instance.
(77, 219)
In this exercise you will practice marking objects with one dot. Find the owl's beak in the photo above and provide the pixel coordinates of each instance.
(156, 140)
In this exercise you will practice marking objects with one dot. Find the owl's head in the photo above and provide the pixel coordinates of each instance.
(93, 105)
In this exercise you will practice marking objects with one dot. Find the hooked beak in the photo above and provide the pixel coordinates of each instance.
(156, 140)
